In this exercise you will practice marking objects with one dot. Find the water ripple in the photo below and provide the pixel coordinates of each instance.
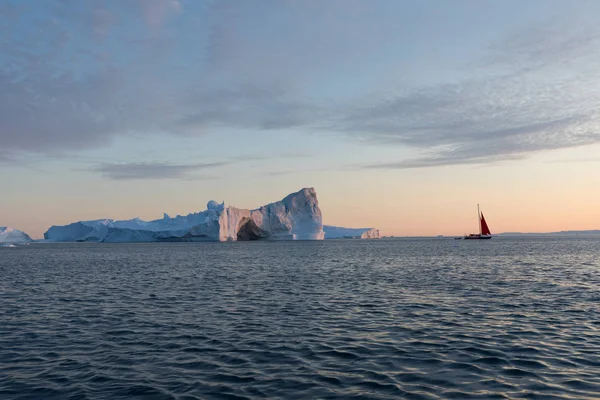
(414, 319)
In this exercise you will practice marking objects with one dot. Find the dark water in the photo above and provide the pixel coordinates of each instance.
(417, 319)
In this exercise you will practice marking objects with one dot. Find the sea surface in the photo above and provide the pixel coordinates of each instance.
(507, 318)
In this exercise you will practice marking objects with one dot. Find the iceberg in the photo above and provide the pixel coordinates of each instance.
(337, 232)
(13, 236)
(296, 217)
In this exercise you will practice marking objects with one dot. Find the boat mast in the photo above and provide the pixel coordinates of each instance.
(479, 219)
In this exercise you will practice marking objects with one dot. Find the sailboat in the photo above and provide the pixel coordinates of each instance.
(484, 230)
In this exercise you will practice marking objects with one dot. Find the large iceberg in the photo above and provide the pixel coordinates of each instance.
(296, 217)
(13, 236)
(336, 232)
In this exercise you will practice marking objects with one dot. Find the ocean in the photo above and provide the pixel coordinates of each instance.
(506, 318)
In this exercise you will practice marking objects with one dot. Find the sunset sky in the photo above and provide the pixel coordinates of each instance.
(402, 114)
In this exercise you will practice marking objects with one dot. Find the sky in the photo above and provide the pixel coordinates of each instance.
(402, 114)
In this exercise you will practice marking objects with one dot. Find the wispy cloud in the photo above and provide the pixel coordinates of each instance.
(481, 122)
(566, 39)
(284, 172)
(137, 171)
(541, 93)
(577, 160)
(184, 171)
(246, 106)
(157, 11)
(102, 20)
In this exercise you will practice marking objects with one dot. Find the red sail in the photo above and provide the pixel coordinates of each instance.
(484, 228)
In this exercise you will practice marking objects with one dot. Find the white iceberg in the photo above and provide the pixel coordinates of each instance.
(337, 232)
(296, 217)
(13, 236)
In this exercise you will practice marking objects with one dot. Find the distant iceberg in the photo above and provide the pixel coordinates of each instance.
(296, 217)
(13, 236)
(337, 232)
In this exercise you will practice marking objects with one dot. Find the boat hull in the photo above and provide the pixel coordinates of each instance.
(477, 237)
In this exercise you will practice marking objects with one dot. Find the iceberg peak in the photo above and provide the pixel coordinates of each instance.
(214, 206)
(13, 236)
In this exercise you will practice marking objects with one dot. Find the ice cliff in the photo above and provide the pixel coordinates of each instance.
(336, 232)
(13, 236)
(296, 217)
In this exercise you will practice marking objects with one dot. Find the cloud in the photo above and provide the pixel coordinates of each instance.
(246, 106)
(51, 101)
(576, 160)
(291, 172)
(102, 20)
(156, 170)
(270, 39)
(52, 114)
(166, 170)
(6, 158)
(481, 122)
(540, 93)
(56, 96)
(10, 10)
(567, 38)
(534, 91)
(258, 67)
(156, 12)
